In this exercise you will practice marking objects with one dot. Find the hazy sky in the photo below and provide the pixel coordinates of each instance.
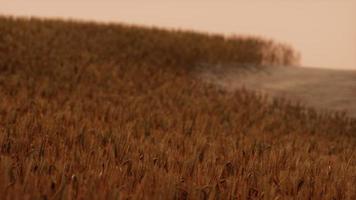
(324, 31)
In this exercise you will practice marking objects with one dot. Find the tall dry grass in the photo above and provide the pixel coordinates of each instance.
(91, 111)
(57, 42)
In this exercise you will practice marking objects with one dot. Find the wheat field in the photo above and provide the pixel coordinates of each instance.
(112, 111)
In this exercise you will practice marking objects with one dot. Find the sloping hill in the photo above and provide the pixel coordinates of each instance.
(104, 111)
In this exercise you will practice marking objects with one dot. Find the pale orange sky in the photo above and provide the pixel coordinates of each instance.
(324, 31)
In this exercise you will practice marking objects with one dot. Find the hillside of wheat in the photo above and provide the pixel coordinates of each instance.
(112, 111)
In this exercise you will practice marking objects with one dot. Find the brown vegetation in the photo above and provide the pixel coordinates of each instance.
(92, 111)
